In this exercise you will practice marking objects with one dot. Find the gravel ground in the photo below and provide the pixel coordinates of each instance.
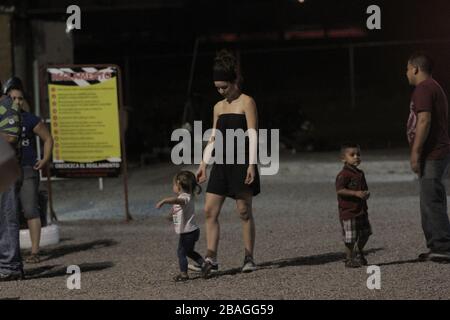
(298, 249)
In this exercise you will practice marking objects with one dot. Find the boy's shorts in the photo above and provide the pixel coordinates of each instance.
(355, 228)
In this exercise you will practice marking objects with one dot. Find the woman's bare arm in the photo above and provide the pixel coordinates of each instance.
(207, 153)
(251, 114)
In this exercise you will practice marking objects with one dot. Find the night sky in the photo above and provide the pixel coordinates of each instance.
(294, 59)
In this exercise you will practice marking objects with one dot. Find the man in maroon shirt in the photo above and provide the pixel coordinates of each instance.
(427, 132)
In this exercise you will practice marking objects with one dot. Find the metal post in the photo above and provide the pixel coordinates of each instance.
(351, 56)
(127, 81)
(128, 216)
(38, 84)
(191, 79)
(53, 216)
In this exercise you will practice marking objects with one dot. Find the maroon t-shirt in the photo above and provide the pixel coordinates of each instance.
(428, 96)
(353, 179)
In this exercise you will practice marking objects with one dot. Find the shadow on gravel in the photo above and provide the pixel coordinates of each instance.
(399, 262)
(65, 239)
(61, 271)
(68, 249)
(410, 261)
(292, 262)
(309, 260)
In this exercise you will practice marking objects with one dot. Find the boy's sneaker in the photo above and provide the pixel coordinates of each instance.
(362, 260)
(249, 265)
(439, 256)
(352, 263)
(424, 256)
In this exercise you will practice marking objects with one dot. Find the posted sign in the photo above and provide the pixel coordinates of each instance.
(84, 114)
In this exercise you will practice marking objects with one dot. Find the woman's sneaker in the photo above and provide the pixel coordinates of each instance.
(209, 267)
(249, 265)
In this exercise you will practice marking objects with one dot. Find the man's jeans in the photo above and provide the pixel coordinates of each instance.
(433, 205)
(10, 259)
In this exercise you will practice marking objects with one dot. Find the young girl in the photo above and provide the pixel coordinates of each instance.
(183, 215)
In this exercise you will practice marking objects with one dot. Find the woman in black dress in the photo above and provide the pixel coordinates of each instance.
(238, 181)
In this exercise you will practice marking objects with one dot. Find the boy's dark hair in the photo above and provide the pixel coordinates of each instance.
(422, 61)
(188, 182)
(348, 145)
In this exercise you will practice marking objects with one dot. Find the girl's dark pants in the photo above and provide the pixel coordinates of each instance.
(186, 249)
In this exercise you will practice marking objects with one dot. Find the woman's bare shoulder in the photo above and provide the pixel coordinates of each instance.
(248, 103)
(218, 106)
(246, 99)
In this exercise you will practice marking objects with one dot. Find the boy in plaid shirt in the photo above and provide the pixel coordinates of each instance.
(352, 194)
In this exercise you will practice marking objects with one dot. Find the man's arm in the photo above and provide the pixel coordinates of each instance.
(207, 152)
(251, 115)
(10, 139)
(422, 131)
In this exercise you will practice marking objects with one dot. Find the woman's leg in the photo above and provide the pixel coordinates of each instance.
(213, 204)
(29, 200)
(244, 208)
(34, 225)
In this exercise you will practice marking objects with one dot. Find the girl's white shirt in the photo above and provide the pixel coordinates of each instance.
(184, 215)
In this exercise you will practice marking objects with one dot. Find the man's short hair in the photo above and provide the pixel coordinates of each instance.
(348, 145)
(422, 61)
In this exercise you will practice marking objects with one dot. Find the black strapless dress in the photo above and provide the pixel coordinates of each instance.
(228, 179)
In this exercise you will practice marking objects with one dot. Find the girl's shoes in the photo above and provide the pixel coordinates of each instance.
(195, 267)
(180, 278)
